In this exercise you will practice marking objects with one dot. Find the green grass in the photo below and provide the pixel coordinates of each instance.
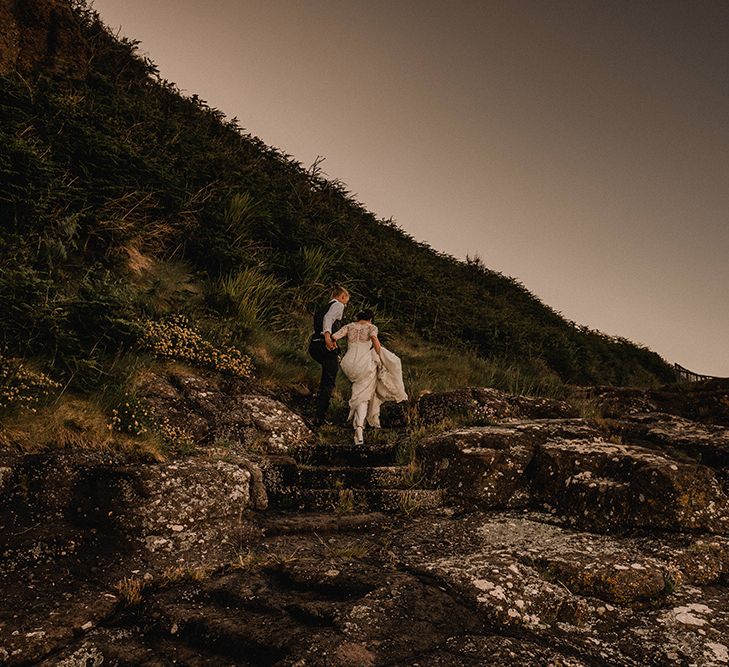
(126, 203)
(429, 367)
(163, 288)
(251, 298)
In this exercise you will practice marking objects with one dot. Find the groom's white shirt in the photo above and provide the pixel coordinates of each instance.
(335, 312)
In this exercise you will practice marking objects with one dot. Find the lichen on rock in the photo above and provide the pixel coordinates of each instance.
(214, 412)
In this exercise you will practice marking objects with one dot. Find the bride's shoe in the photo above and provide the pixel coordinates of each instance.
(358, 437)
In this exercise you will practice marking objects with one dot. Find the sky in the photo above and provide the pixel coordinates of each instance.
(581, 147)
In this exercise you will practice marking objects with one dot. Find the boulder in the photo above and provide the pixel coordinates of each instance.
(72, 525)
(574, 467)
(704, 443)
(485, 467)
(262, 424)
(706, 401)
(212, 410)
(606, 486)
(480, 467)
(190, 509)
(701, 560)
(178, 507)
(617, 402)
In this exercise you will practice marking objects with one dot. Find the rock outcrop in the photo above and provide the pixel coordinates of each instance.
(583, 470)
(706, 401)
(507, 588)
(612, 601)
(561, 541)
(214, 412)
(74, 524)
(482, 404)
(41, 35)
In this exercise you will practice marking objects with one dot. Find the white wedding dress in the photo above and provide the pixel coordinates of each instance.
(375, 378)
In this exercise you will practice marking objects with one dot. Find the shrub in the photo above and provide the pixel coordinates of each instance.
(175, 338)
(133, 417)
(130, 417)
(22, 387)
(241, 217)
(312, 270)
(175, 438)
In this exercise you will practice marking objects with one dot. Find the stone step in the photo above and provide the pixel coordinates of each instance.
(235, 636)
(350, 455)
(358, 500)
(285, 469)
(301, 523)
(352, 477)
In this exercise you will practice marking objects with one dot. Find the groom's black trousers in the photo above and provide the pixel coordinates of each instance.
(329, 360)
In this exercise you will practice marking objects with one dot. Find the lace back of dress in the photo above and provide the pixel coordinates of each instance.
(360, 333)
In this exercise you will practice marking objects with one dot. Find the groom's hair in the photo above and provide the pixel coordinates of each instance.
(338, 290)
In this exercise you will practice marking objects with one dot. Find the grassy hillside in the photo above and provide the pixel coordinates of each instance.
(123, 202)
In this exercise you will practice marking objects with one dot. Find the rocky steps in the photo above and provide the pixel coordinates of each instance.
(344, 477)
(526, 536)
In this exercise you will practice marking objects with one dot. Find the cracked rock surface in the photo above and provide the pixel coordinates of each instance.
(499, 588)
(72, 525)
(654, 471)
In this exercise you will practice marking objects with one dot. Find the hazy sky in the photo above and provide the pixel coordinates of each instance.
(581, 147)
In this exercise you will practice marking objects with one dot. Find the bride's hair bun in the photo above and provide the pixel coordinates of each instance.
(366, 315)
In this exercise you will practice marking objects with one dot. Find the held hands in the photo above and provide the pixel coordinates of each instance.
(330, 342)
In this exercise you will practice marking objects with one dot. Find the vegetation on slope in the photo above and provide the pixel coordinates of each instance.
(123, 202)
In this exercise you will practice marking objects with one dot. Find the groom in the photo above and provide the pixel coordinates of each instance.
(324, 350)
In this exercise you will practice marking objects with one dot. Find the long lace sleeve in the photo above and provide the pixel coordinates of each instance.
(341, 333)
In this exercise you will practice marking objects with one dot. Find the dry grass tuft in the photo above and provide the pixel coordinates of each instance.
(587, 408)
(255, 560)
(354, 550)
(179, 573)
(345, 502)
(136, 261)
(73, 423)
(70, 423)
(411, 503)
(412, 476)
(130, 590)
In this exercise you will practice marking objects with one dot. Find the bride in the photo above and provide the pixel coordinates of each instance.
(374, 371)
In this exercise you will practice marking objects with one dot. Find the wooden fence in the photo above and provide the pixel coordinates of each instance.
(690, 376)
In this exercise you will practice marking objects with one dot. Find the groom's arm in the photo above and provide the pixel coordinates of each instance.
(335, 312)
